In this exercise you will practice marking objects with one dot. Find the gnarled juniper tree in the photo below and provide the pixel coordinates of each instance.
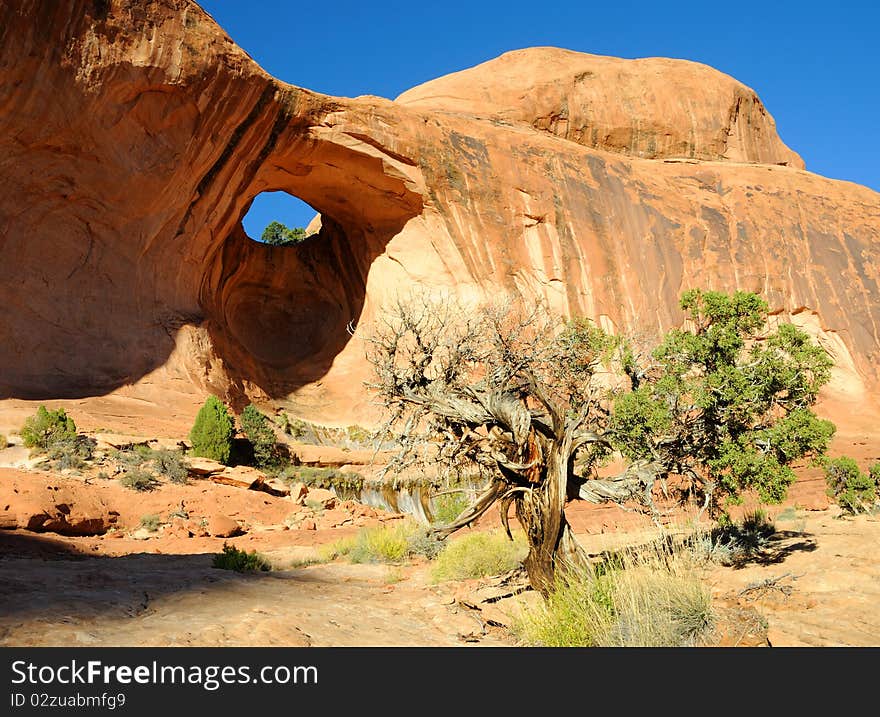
(532, 404)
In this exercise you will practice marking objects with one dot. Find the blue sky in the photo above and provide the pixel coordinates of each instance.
(814, 64)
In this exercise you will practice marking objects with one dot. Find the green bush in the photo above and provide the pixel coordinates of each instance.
(854, 491)
(242, 562)
(138, 479)
(477, 555)
(212, 432)
(425, 542)
(46, 428)
(258, 429)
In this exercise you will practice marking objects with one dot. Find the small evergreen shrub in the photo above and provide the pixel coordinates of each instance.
(133, 456)
(258, 429)
(212, 432)
(240, 561)
(46, 428)
(854, 491)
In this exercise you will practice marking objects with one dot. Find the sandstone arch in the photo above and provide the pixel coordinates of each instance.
(133, 137)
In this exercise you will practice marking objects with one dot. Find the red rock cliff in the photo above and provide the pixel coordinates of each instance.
(133, 137)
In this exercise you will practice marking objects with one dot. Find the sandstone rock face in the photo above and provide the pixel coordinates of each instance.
(133, 138)
(42, 505)
(653, 107)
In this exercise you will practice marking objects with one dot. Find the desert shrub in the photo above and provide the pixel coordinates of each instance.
(3, 442)
(46, 428)
(478, 554)
(171, 465)
(382, 544)
(854, 491)
(70, 453)
(731, 542)
(151, 522)
(138, 479)
(647, 598)
(242, 562)
(212, 432)
(133, 456)
(337, 549)
(425, 542)
(258, 429)
(446, 507)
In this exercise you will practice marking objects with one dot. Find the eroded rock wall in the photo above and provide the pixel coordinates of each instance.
(133, 137)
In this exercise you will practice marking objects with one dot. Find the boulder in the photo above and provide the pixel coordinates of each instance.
(335, 518)
(326, 498)
(241, 477)
(203, 466)
(46, 505)
(221, 526)
(298, 492)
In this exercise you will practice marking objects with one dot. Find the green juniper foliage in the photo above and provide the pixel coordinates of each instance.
(258, 429)
(212, 432)
(46, 428)
(276, 234)
(852, 490)
(723, 408)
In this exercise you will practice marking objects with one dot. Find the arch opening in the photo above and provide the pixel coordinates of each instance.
(278, 218)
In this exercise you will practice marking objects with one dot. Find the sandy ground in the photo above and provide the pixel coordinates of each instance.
(818, 586)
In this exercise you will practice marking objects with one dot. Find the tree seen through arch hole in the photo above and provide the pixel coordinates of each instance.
(278, 219)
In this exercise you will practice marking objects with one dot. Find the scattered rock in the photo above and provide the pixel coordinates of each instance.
(275, 487)
(143, 534)
(179, 528)
(33, 504)
(241, 477)
(327, 498)
(204, 466)
(336, 518)
(308, 524)
(298, 492)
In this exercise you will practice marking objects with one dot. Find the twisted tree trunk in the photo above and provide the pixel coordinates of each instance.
(541, 512)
